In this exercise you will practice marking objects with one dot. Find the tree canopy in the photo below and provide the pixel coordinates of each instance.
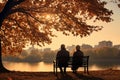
(33, 21)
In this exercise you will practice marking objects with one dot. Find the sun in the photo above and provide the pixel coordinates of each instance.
(48, 16)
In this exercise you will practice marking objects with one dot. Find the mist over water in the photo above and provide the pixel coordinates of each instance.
(48, 67)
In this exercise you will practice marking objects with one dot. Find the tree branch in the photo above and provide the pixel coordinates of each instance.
(8, 6)
(13, 3)
(25, 12)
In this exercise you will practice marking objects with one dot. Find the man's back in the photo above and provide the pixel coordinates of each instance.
(62, 58)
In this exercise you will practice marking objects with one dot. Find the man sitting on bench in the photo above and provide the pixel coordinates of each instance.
(77, 59)
(62, 58)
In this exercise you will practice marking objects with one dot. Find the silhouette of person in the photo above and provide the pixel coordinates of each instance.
(77, 59)
(62, 59)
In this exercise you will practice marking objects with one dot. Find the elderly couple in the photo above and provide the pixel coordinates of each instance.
(63, 58)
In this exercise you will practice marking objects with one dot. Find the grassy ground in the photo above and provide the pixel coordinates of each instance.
(93, 75)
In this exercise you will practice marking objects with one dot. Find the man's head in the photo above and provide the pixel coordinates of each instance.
(77, 47)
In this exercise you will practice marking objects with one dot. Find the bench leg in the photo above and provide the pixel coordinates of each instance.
(87, 70)
(54, 68)
(84, 69)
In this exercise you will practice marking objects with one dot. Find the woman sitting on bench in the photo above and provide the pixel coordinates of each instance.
(77, 59)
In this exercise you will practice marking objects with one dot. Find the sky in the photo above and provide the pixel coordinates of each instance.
(110, 32)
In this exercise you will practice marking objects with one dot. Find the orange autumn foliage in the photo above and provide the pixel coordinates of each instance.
(33, 21)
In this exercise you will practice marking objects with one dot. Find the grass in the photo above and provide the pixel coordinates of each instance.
(93, 75)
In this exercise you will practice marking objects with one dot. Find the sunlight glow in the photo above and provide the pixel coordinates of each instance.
(48, 17)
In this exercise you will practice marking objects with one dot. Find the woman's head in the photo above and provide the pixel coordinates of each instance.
(62, 46)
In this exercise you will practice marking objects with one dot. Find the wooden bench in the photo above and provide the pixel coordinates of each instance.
(85, 64)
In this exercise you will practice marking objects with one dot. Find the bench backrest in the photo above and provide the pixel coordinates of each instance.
(85, 60)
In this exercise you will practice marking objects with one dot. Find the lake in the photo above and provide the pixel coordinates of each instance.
(46, 67)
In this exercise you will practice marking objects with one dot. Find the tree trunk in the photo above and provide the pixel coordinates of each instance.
(3, 14)
(1, 19)
(2, 68)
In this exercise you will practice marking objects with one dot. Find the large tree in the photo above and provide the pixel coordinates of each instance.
(33, 21)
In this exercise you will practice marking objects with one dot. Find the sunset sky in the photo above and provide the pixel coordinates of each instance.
(111, 31)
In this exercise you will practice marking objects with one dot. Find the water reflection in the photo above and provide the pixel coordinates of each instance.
(43, 67)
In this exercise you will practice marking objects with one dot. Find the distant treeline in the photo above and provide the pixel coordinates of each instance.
(99, 55)
(34, 56)
(104, 56)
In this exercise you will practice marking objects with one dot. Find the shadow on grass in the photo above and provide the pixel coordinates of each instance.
(86, 77)
(77, 76)
(64, 77)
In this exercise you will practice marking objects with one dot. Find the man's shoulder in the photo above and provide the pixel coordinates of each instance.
(67, 51)
(78, 52)
(81, 51)
(59, 52)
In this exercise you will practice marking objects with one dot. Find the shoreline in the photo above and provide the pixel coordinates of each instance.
(108, 74)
